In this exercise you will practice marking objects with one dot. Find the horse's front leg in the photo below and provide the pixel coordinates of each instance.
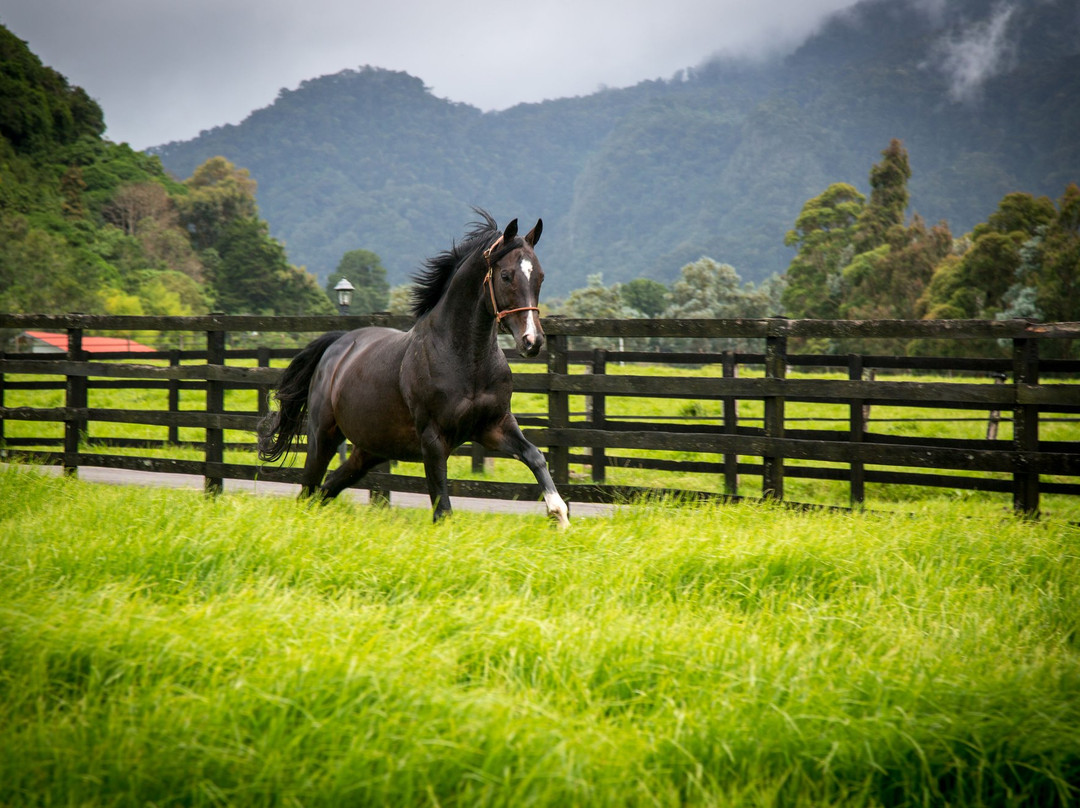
(506, 437)
(435, 450)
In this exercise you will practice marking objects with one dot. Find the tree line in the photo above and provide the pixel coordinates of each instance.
(859, 258)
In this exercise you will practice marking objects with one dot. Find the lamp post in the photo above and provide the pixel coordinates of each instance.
(344, 291)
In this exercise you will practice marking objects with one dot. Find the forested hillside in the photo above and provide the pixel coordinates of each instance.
(717, 161)
(91, 226)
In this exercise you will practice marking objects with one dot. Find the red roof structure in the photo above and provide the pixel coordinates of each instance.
(48, 342)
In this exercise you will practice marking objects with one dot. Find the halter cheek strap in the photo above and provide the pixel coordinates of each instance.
(490, 284)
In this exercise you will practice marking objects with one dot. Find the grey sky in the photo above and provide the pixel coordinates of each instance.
(165, 69)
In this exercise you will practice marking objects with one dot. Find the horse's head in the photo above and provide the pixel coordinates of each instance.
(513, 286)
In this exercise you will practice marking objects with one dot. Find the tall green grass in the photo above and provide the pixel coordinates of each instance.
(161, 648)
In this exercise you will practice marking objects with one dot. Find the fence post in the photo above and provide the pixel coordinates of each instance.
(871, 375)
(174, 397)
(479, 458)
(75, 395)
(213, 482)
(558, 408)
(262, 392)
(599, 417)
(731, 426)
(995, 415)
(262, 405)
(377, 494)
(1025, 427)
(856, 432)
(772, 481)
(3, 442)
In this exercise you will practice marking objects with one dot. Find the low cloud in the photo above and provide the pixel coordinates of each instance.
(164, 71)
(976, 53)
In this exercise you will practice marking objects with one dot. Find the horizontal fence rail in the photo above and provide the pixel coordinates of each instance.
(1028, 392)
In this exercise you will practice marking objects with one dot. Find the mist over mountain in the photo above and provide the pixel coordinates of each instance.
(716, 160)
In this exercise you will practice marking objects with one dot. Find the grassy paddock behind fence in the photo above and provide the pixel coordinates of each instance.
(774, 424)
(884, 419)
(161, 647)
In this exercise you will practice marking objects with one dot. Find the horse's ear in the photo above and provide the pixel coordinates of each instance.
(533, 235)
(510, 232)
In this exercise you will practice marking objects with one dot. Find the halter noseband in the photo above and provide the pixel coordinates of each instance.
(490, 284)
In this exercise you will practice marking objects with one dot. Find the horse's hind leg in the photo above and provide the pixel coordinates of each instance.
(320, 451)
(356, 465)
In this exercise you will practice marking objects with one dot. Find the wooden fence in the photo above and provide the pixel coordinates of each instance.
(1030, 393)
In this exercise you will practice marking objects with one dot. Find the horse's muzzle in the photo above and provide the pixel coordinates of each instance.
(530, 344)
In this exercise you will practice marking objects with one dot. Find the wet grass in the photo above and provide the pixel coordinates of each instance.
(161, 648)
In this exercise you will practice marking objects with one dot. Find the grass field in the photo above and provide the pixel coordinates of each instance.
(161, 648)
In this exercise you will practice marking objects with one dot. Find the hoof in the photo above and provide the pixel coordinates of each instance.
(557, 510)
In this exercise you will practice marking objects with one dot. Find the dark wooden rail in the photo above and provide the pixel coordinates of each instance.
(1025, 465)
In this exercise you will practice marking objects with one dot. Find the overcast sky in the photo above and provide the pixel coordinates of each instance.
(163, 70)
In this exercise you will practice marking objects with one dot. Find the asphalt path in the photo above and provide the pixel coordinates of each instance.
(107, 476)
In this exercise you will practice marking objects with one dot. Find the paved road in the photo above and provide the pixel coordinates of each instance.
(94, 474)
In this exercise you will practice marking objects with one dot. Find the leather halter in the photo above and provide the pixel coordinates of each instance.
(490, 284)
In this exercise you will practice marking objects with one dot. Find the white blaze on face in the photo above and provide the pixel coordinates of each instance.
(532, 319)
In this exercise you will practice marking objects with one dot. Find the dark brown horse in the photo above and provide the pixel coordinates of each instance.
(417, 395)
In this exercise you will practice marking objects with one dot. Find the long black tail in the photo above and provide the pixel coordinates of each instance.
(282, 426)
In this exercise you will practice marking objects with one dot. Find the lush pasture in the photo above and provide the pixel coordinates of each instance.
(161, 648)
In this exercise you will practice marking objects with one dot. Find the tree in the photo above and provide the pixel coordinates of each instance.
(892, 264)
(136, 202)
(364, 270)
(40, 273)
(173, 294)
(1059, 278)
(1017, 213)
(855, 258)
(1048, 278)
(888, 282)
(708, 289)
(167, 247)
(646, 296)
(72, 188)
(888, 198)
(400, 299)
(247, 268)
(823, 235)
(218, 194)
(594, 300)
(976, 283)
(38, 108)
(253, 276)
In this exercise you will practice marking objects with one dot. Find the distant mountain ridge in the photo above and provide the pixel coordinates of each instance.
(715, 161)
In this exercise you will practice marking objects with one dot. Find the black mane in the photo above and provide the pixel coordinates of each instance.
(432, 280)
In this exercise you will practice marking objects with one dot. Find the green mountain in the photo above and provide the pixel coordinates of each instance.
(715, 161)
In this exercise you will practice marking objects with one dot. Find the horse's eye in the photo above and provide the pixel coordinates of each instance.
(507, 276)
